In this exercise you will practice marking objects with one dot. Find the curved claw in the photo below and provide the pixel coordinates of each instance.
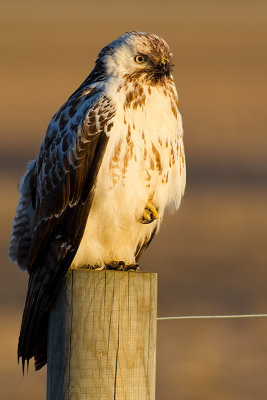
(121, 266)
(150, 214)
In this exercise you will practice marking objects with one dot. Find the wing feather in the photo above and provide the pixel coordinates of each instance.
(23, 222)
(64, 176)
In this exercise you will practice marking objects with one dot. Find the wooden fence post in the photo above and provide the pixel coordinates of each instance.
(102, 337)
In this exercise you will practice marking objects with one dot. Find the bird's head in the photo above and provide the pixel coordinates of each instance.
(141, 55)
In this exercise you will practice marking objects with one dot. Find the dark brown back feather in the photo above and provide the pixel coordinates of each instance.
(64, 193)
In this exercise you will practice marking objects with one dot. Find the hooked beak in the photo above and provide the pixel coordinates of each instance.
(164, 66)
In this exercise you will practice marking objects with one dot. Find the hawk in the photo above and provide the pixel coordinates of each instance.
(111, 164)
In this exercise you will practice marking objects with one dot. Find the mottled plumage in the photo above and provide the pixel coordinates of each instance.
(114, 147)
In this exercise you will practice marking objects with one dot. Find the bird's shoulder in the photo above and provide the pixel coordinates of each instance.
(71, 142)
(83, 116)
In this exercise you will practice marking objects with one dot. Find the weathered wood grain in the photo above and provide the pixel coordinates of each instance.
(102, 337)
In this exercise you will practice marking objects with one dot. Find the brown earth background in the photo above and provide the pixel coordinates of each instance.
(211, 257)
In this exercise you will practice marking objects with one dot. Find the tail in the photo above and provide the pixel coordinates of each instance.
(44, 281)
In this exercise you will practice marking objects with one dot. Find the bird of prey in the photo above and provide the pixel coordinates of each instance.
(110, 166)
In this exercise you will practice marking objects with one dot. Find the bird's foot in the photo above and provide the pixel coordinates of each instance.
(93, 267)
(150, 213)
(133, 267)
(121, 266)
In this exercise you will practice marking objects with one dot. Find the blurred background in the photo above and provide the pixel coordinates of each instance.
(212, 256)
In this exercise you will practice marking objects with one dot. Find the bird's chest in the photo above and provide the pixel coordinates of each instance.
(144, 141)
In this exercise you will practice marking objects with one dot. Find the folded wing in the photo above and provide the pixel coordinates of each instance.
(61, 190)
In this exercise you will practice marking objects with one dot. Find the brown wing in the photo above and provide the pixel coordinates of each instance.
(62, 193)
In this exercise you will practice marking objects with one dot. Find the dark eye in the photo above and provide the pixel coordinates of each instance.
(139, 59)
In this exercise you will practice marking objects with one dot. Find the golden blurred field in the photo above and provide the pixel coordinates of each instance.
(212, 256)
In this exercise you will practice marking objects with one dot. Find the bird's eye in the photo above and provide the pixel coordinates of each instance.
(139, 59)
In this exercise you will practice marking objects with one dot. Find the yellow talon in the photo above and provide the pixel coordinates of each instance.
(146, 216)
(150, 213)
(152, 209)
